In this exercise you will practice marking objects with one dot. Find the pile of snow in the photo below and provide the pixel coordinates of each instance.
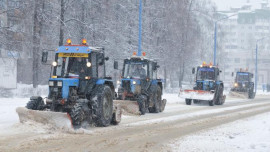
(251, 134)
(24, 91)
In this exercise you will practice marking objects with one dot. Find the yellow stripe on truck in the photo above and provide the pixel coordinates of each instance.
(78, 55)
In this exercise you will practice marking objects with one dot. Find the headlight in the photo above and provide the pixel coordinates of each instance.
(134, 82)
(54, 63)
(51, 83)
(88, 64)
(118, 82)
(59, 83)
(244, 85)
(236, 84)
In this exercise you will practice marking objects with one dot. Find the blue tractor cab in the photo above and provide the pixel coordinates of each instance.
(140, 85)
(243, 84)
(78, 86)
(208, 86)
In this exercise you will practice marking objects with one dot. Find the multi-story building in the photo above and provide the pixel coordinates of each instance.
(241, 34)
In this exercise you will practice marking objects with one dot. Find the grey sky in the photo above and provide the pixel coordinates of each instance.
(226, 4)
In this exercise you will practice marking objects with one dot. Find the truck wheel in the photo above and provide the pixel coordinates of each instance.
(80, 113)
(35, 103)
(188, 101)
(156, 107)
(211, 103)
(161, 102)
(195, 101)
(103, 106)
(219, 99)
(251, 92)
(142, 104)
(117, 115)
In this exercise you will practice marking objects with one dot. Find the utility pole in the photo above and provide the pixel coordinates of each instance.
(140, 30)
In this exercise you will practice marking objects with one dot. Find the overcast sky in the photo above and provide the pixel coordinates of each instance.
(226, 4)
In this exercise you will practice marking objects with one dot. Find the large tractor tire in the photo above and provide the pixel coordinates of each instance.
(251, 94)
(142, 104)
(188, 101)
(80, 114)
(35, 103)
(117, 115)
(219, 98)
(156, 107)
(103, 106)
(162, 103)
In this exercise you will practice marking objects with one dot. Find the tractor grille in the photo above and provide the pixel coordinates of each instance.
(55, 92)
(199, 86)
(126, 85)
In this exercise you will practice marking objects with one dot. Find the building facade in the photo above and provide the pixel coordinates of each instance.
(241, 34)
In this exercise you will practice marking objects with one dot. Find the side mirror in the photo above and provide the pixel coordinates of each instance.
(156, 67)
(193, 70)
(44, 57)
(232, 74)
(115, 65)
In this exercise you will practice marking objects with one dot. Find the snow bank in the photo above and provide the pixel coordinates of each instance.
(251, 134)
(24, 91)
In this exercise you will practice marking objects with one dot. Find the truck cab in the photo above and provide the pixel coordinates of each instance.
(244, 84)
(139, 83)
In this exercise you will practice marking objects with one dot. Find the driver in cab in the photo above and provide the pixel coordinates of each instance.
(139, 71)
(78, 66)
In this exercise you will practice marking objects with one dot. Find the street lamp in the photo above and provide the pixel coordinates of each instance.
(215, 37)
(140, 30)
(256, 63)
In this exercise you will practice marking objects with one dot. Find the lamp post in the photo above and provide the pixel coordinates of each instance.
(215, 36)
(256, 63)
(140, 30)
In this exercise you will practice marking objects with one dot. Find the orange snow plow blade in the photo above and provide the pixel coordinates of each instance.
(197, 94)
(56, 119)
(128, 107)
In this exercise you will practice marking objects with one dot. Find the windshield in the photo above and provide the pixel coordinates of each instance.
(136, 70)
(242, 77)
(71, 67)
(206, 74)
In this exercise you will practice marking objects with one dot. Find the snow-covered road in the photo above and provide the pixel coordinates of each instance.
(178, 127)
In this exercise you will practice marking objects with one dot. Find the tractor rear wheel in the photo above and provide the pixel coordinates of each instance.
(251, 92)
(219, 99)
(103, 106)
(80, 113)
(35, 103)
(156, 107)
(142, 104)
(188, 101)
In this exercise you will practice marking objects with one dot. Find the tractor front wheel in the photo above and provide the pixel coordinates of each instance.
(188, 101)
(211, 103)
(80, 113)
(142, 104)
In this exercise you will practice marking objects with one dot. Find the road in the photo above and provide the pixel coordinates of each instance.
(151, 132)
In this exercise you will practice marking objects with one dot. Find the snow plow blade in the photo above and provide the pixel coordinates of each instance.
(197, 94)
(128, 107)
(238, 94)
(55, 119)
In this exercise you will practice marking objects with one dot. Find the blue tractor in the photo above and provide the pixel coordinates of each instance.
(208, 86)
(140, 88)
(243, 85)
(78, 87)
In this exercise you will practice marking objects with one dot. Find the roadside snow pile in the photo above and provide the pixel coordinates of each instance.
(24, 91)
(252, 134)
